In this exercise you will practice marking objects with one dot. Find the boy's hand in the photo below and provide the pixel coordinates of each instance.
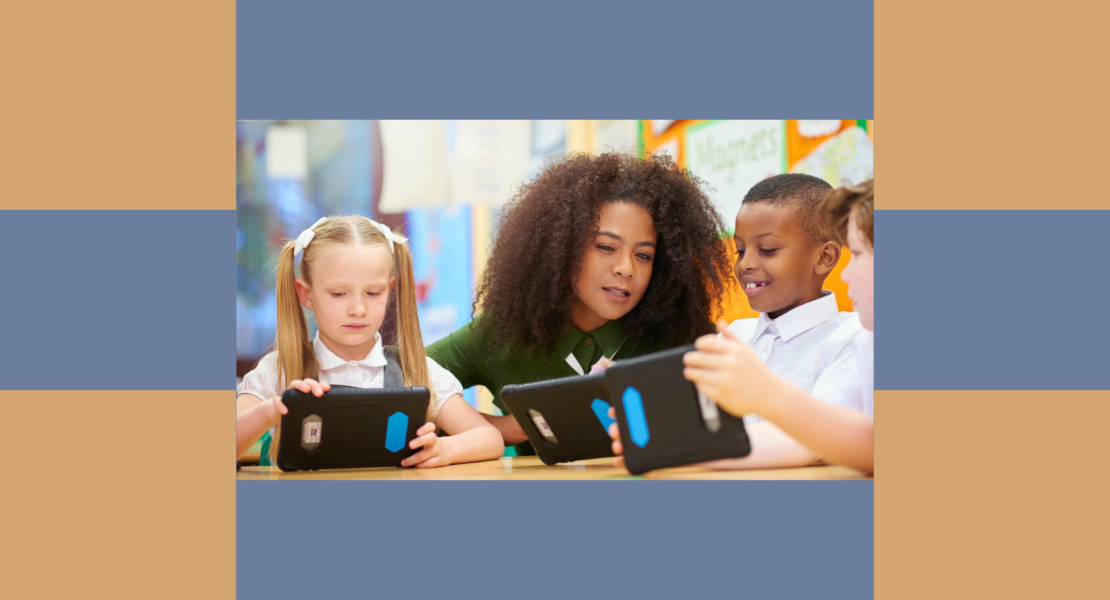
(615, 433)
(728, 371)
(273, 409)
(310, 386)
(436, 452)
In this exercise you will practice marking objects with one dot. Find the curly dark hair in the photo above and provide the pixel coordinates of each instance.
(526, 290)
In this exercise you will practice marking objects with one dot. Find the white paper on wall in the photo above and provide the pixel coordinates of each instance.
(414, 165)
(286, 152)
(816, 129)
(491, 159)
(658, 127)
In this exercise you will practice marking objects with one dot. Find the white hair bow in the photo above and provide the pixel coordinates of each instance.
(306, 237)
(388, 233)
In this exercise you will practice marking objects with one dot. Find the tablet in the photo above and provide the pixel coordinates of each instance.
(566, 419)
(350, 428)
(664, 421)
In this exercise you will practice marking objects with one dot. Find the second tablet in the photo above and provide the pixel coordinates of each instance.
(566, 419)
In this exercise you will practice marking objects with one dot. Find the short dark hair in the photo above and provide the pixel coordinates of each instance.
(799, 192)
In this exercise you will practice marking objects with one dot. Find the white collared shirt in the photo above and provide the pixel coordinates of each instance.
(810, 346)
(864, 350)
(367, 373)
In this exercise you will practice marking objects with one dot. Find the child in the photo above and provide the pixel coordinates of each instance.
(783, 256)
(349, 269)
(728, 371)
(598, 255)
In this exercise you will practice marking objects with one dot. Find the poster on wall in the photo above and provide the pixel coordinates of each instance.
(732, 156)
(414, 160)
(549, 138)
(489, 158)
(849, 155)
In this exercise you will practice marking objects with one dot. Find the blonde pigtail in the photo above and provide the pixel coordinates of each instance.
(296, 357)
(410, 344)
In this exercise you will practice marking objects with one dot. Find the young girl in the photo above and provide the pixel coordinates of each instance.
(730, 372)
(599, 255)
(350, 269)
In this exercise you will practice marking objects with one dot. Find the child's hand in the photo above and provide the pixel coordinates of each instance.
(310, 386)
(615, 433)
(601, 365)
(273, 409)
(728, 371)
(436, 452)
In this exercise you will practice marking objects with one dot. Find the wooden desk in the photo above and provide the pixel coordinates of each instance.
(530, 467)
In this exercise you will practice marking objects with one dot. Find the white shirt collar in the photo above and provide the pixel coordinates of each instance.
(327, 359)
(800, 319)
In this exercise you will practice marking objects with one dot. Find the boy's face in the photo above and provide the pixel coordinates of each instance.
(777, 269)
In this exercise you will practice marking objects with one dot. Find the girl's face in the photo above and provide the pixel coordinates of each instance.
(348, 295)
(860, 273)
(616, 266)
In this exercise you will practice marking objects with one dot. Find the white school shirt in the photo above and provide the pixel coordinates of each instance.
(863, 348)
(367, 373)
(810, 346)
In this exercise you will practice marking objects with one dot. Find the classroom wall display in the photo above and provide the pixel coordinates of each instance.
(731, 156)
(439, 239)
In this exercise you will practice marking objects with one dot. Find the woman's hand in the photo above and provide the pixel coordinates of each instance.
(436, 452)
(601, 365)
(310, 386)
(615, 434)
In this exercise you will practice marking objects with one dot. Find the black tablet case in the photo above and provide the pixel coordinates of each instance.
(566, 406)
(354, 426)
(678, 434)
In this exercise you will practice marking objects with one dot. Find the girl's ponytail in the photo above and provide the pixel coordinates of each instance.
(296, 357)
(410, 343)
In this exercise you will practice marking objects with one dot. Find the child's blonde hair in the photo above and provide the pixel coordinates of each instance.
(296, 358)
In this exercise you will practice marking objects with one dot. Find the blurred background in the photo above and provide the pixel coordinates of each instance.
(445, 182)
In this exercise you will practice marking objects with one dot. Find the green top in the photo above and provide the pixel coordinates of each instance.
(466, 354)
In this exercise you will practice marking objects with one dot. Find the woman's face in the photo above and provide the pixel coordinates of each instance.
(860, 273)
(616, 266)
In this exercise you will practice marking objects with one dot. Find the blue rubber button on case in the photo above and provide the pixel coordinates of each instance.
(395, 431)
(637, 422)
(601, 409)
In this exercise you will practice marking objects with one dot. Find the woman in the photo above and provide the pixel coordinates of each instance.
(598, 256)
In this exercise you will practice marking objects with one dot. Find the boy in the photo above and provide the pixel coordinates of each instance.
(783, 256)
